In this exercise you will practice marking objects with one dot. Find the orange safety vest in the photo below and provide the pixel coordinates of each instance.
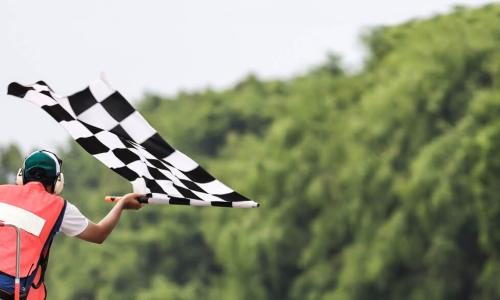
(34, 205)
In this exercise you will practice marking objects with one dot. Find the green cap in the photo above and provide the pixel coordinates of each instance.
(42, 160)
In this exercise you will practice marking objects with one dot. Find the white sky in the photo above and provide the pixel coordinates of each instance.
(168, 46)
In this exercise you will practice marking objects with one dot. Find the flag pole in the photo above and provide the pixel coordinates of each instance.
(143, 199)
(17, 280)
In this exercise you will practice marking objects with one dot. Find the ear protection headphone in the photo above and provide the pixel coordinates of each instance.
(58, 182)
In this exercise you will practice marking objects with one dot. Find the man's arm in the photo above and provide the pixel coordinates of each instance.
(97, 233)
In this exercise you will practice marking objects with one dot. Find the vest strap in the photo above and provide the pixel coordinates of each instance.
(43, 261)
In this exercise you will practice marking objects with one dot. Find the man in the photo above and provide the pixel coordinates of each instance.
(35, 206)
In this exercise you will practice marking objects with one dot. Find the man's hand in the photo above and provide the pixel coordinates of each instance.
(97, 233)
(129, 201)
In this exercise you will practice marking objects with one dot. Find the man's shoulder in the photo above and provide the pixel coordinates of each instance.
(8, 185)
(6, 188)
(71, 208)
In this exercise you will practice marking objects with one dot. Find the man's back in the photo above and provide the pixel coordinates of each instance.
(39, 214)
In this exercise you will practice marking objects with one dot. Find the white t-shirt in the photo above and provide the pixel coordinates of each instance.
(74, 222)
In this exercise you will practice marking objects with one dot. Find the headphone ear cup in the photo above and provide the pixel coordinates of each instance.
(20, 177)
(59, 185)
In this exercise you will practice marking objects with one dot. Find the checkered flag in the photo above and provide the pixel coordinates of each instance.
(106, 125)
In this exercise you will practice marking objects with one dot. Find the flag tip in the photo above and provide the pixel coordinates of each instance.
(15, 89)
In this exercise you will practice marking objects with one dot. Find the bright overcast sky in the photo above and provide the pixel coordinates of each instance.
(168, 46)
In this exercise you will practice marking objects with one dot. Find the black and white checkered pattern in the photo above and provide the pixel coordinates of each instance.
(106, 125)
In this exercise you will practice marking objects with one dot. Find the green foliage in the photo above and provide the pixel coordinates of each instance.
(10, 162)
(378, 185)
